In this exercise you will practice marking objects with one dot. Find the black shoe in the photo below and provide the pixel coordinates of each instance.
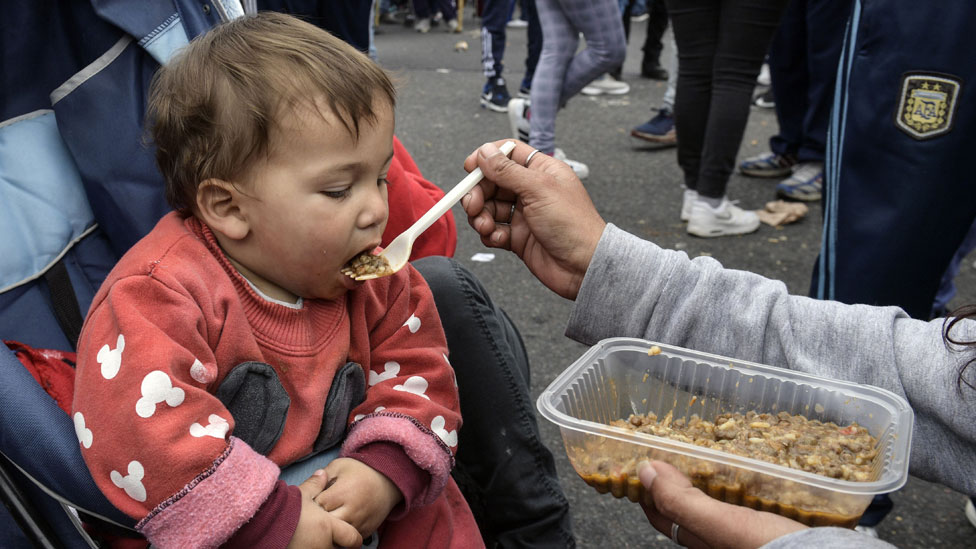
(655, 72)
(495, 95)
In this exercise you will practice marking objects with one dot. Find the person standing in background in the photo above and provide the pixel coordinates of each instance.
(495, 15)
(562, 71)
(721, 45)
(803, 69)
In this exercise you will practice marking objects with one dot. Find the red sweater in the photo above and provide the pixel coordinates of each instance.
(174, 317)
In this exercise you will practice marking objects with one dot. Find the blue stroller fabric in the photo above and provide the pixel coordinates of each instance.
(78, 187)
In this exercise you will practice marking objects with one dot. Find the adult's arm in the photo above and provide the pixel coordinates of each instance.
(634, 288)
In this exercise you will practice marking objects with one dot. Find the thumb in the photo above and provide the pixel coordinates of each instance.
(503, 171)
(315, 484)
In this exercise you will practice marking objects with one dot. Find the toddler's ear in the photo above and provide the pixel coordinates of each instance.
(218, 205)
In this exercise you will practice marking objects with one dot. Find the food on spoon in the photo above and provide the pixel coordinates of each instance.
(368, 264)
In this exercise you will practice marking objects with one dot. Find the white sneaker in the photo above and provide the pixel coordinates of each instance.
(581, 170)
(606, 85)
(764, 79)
(727, 219)
(518, 118)
(687, 202)
(971, 513)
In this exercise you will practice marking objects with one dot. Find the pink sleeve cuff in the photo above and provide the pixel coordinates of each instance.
(424, 448)
(390, 460)
(208, 510)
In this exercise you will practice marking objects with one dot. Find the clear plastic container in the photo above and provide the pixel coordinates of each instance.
(617, 377)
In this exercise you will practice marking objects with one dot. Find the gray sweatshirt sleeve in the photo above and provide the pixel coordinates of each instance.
(633, 288)
(837, 538)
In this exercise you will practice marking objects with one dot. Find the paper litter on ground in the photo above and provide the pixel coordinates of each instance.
(780, 212)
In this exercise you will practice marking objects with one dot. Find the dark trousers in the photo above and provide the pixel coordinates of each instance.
(506, 473)
(721, 46)
(422, 8)
(657, 23)
(803, 66)
(494, 18)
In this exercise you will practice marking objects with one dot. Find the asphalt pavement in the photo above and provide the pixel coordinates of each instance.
(637, 188)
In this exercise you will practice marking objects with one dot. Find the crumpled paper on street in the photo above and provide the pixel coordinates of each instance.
(780, 212)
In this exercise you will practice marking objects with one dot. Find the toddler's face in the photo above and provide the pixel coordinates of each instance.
(317, 200)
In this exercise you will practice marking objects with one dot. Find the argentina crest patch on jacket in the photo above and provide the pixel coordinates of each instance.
(927, 104)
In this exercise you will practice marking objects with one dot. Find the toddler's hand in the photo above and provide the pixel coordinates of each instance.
(316, 526)
(359, 495)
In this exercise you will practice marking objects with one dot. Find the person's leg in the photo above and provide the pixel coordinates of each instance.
(947, 286)
(667, 101)
(660, 128)
(657, 24)
(560, 40)
(599, 21)
(534, 45)
(745, 29)
(494, 93)
(825, 23)
(493, 19)
(421, 8)
(626, 8)
(446, 8)
(373, 54)
(695, 25)
(790, 78)
(505, 471)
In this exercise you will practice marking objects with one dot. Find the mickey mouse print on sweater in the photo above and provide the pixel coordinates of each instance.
(156, 389)
(416, 385)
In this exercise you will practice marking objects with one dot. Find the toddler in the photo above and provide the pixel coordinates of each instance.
(227, 344)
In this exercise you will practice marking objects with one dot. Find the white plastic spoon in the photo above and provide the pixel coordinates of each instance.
(398, 252)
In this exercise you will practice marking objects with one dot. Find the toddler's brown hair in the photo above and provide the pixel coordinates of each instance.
(213, 106)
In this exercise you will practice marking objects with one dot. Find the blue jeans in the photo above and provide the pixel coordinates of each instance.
(504, 470)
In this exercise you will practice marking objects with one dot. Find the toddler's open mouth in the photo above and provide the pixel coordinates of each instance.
(367, 263)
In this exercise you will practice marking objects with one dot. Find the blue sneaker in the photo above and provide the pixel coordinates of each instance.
(525, 89)
(495, 95)
(659, 130)
(806, 183)
(768, 164)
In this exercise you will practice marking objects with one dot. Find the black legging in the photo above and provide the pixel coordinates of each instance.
(721, 45)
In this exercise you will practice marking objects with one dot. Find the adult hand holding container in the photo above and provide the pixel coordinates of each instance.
(619, 377)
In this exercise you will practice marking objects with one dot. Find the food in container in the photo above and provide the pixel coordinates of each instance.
(622, 381)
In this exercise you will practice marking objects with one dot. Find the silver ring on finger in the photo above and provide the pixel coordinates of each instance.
(674, 533)
(529, 158)
(511, 215)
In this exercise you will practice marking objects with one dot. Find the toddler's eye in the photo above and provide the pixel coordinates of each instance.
(338, 195)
